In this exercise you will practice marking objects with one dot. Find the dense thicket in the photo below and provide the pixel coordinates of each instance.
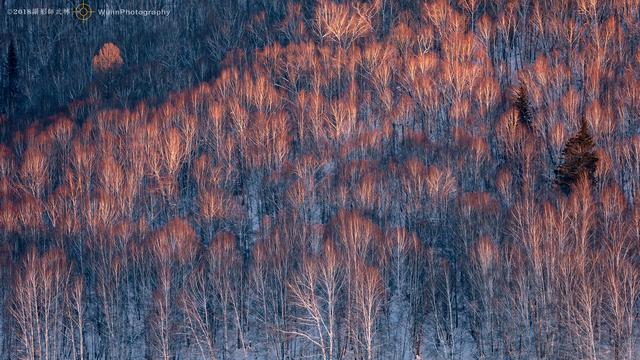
(9, 84)
(358, 180)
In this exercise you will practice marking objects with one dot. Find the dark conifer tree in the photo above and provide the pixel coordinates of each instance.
(578, 159)
(522, 105)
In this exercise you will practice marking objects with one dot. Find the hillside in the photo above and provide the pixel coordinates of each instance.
(389, 179)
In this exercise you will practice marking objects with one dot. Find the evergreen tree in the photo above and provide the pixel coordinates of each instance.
(10, 84)
(578, 159)
(524, 108)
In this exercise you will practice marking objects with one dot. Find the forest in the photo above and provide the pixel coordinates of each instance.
(322, 179)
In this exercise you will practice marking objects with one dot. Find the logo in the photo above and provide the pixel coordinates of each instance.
(83, 11)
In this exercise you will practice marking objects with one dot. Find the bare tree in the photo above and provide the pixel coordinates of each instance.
(107, 59)
(316, 292)
(225, 270)
(76, 318)
(367, 299)
(197, 303)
